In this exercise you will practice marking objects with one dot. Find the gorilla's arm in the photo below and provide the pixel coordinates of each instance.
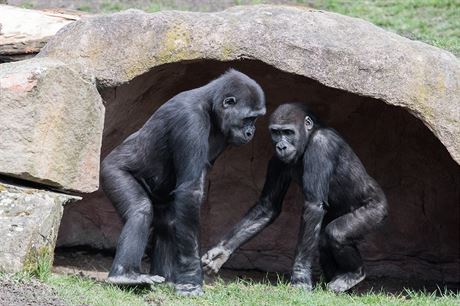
(263, 213)
(190, 163)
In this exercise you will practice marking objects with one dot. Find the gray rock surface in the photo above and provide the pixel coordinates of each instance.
(29, 223)
(338, 51)
(24, 32)
(52, 121)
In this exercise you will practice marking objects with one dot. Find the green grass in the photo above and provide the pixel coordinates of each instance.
(78, 291)
(112, 6)
(27, 5)
(436, 22)
(85, 8)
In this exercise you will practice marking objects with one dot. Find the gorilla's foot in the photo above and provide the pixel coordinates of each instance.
(135, 279)
(346, 281)
(189, 289)
(304, 286)
(301, 278)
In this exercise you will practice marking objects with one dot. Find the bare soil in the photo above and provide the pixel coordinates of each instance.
(15, 292)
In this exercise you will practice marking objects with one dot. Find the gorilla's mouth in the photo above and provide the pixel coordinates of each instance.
(286, 157)
(242, 135)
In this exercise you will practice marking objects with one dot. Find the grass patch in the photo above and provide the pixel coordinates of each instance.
(83, 291)
(112, 6)
(77, 291)
(39, 262)
(27, 5)
(436, 22)
(85, 8)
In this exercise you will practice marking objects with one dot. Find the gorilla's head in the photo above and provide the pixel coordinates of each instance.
(238, 101)
(290, 128)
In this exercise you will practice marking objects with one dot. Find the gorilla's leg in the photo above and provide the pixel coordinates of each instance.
(326, 258)
(163, 253)
(342, 235)
(135, 208)
(188, 274)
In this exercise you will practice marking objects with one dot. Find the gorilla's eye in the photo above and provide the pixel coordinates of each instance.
(229, 101)
(288, 132)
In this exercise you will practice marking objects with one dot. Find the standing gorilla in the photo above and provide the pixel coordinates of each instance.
(342, 203)
(156, 176)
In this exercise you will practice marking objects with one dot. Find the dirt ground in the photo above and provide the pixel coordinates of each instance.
(16, 292)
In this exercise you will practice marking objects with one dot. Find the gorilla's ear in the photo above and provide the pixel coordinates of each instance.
(308, 123)
(229, 101)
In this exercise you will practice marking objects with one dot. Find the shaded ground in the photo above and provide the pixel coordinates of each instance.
(28, 291)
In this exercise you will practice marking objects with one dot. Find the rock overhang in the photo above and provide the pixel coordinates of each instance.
(338, 51)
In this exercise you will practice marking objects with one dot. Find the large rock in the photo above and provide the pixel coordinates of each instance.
(338, 51)
(29, 223)
(51, 125)
(24, 32)
(373, 86)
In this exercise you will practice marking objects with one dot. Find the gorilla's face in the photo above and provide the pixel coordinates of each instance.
(286, 140)
(290, 130)
(241, 104)
(240, 121)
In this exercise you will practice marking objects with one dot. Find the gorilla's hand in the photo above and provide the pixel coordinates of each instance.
(214, 259)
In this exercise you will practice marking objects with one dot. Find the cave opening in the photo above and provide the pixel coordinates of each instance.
(421, 238)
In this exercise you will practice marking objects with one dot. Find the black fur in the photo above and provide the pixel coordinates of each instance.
(342, 203)
(156, 176)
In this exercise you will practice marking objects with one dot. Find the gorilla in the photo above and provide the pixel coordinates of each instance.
(342, 203)
(156, 178)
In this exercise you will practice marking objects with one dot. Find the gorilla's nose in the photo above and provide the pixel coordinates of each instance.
(281, 147)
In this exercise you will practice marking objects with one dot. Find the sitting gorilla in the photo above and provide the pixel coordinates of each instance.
(156, 177)
(342, 203)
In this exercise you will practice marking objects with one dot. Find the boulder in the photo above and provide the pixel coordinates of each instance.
(338, 51)
(29, 223)
(24, 32)
(52, 121)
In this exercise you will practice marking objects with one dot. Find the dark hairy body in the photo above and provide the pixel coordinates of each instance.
(342, 203)
(156, 177)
